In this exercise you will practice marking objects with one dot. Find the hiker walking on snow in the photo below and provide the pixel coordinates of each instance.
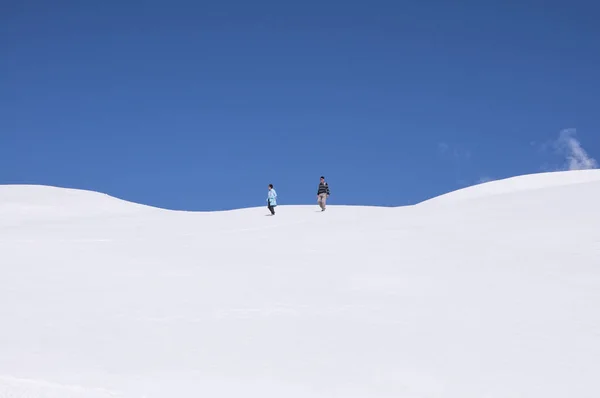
(323, 194)
(272, 199)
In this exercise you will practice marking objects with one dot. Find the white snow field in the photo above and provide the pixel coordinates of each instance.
(489, 292)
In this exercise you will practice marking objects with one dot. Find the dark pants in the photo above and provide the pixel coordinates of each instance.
(271, 209)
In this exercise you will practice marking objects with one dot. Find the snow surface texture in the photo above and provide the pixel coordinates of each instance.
(489, 292)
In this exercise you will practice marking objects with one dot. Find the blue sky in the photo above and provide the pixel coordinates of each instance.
(199, 106)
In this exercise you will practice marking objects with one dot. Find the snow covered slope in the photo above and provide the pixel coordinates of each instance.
(489, 292)
(518, 184)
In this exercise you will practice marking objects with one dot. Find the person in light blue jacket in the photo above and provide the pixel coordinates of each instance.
(272, 199)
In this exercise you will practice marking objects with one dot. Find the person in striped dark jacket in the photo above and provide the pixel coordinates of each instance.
(323, 194)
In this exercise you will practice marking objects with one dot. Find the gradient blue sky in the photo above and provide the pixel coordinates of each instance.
(198, 106)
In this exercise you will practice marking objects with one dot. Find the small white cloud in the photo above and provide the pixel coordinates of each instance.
(576, 158)
(484, 179)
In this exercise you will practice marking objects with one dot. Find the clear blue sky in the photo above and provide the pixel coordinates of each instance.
(200, 105)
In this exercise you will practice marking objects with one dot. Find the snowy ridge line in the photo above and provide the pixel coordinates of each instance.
(14, 387)
(517, 184)
(92, 204)
(62, 197)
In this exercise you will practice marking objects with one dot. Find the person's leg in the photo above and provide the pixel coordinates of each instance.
(324, 201)
(271, 209)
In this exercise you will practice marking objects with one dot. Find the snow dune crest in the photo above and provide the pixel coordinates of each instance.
(519, 184)
(31, 197)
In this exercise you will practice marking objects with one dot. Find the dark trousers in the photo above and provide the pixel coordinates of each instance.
(271, 209)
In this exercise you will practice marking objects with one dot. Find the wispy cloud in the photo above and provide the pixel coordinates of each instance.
(484, 179)
(576, 158)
